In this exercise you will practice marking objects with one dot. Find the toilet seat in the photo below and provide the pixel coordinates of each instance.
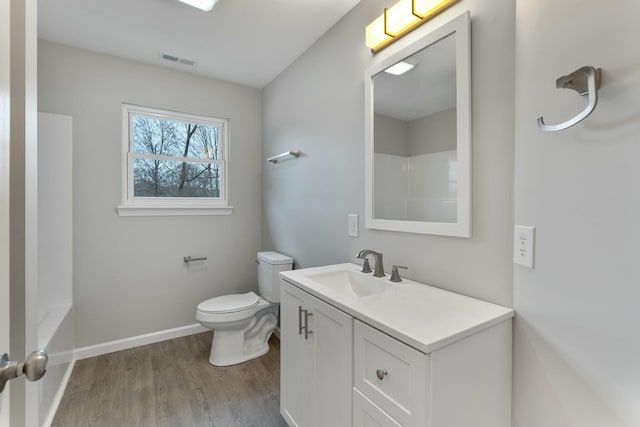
(230, 308)
(229, 303)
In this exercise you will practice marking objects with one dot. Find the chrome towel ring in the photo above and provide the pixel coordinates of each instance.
(585, 81)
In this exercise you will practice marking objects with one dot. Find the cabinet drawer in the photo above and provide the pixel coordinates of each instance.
(368, 414)
(391, 374)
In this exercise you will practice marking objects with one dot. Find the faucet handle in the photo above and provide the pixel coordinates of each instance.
(395, 276)
(366, 268)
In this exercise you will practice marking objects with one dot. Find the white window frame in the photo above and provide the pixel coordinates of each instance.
(171, 206)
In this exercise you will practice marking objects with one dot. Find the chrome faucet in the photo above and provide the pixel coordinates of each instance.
(366, 268)
(395, 276)
(378, 268)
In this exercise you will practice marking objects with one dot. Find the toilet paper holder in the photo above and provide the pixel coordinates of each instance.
(188, 259)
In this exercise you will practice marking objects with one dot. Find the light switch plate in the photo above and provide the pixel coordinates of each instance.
(353, 225)
(524, 245)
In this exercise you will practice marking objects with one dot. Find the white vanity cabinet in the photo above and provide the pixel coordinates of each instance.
(467, 383)
(383, 355)
(317, 357)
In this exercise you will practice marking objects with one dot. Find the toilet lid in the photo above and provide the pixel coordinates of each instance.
(229, 303)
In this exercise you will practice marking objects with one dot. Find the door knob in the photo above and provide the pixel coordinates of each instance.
(33, 368)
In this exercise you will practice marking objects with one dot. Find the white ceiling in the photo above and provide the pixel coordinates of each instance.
(243, 41)
(427, 89)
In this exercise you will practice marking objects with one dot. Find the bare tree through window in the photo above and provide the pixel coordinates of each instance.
(175, 159)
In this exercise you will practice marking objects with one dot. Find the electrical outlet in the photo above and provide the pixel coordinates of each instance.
(353, 225)
(524, 245)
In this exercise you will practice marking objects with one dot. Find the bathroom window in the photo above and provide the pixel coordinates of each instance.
(173, 163)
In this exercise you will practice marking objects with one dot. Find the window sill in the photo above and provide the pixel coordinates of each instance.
(129, 210)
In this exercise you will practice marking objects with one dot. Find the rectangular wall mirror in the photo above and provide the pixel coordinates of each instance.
(418, 135)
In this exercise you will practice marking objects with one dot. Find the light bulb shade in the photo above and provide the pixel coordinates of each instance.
(401, 19)
(427, 9)
(375, 34)
(400, 16)
(205, 5)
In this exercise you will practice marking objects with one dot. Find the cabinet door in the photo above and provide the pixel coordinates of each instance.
(333, 364)
(317, 368)
(296, 360)
(368, 414)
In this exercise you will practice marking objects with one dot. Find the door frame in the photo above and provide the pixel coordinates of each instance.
(19, 403)
(5, 305)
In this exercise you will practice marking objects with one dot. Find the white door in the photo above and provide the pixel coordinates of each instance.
(18, 203)
(4, 197)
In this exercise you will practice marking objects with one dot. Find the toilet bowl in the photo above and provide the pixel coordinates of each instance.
(243, 323)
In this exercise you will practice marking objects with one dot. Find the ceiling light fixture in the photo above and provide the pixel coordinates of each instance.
(401, 19)
(205, 5)
(402, 67)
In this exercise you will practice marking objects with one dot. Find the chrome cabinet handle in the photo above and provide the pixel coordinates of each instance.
(307, 332)
(381, 373)
(300, 328)
(304, 327)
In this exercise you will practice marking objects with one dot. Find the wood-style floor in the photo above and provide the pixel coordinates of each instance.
(172, 384)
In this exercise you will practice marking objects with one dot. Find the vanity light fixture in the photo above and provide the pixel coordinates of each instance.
(401, 19)
(402, 67)
(205, 5)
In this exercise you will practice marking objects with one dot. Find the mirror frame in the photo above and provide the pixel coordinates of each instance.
(462, 227)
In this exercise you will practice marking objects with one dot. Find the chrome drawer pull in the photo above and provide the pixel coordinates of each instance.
(381, 373)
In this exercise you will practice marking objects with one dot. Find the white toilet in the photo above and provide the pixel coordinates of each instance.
(243, 323)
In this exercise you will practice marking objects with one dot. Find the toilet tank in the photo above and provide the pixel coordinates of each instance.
(269, 265)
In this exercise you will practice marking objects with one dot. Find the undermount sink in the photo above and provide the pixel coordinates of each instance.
(354, 283)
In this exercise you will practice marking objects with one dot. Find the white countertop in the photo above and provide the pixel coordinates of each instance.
(422, 316)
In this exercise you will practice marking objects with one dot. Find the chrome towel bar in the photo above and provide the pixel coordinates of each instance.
(274, 159)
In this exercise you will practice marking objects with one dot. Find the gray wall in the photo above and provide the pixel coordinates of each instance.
(129, 278)
(577, 334)
(391, 135)
(317, 106)
(432, 134)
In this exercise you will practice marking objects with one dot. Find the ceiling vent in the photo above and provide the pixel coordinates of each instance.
(177, 59)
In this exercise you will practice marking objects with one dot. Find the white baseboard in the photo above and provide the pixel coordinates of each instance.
(58, 397)
(137, 341)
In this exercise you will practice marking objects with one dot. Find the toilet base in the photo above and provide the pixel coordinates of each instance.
(230, 347)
